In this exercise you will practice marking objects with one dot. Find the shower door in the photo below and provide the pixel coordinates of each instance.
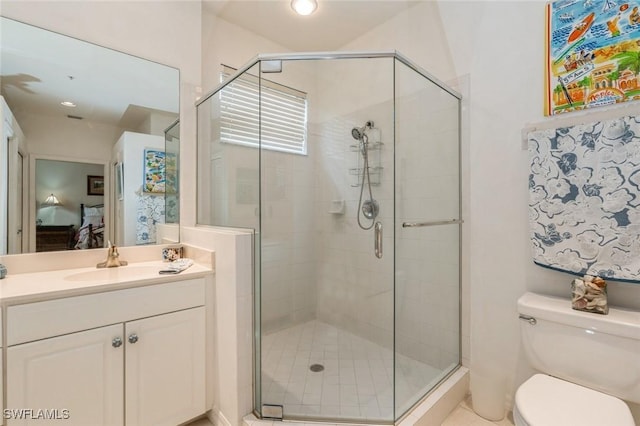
(427, 243)
(358, 250)
(326, 309)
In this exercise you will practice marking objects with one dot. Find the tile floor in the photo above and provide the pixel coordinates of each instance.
(356, 381)
(463, 415)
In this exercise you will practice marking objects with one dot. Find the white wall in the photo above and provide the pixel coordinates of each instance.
(68, 138)
(498, 165)
(155, 124)
(418, 33)
(228, 44)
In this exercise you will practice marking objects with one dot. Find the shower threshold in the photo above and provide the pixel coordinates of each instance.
(431, 410)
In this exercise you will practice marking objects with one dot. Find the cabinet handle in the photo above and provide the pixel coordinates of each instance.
(133, 338)
(116, 342)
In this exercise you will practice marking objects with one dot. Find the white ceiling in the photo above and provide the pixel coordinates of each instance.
(39, 69)
(334, 24)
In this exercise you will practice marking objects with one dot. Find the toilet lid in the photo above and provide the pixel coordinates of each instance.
(546, 401)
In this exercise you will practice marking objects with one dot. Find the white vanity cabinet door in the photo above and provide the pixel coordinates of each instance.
(165, 368)
(81, 372)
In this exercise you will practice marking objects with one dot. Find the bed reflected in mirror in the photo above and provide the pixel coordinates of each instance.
(91, 231)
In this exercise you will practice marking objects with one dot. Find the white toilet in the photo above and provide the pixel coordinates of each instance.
(590, 361)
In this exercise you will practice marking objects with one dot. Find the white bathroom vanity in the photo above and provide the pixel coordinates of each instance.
(105, 346)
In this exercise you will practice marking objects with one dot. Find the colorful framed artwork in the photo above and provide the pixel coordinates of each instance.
(160, 172)
(154, 171)
(592, 54)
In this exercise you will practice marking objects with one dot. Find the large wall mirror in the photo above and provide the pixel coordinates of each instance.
(89, 149)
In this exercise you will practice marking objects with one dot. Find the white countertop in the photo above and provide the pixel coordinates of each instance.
(36, 286)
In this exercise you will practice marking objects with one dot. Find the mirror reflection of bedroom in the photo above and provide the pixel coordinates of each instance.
(83, 145)
(69, 205)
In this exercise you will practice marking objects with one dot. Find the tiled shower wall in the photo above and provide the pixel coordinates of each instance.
(288, 240)
(355, 289)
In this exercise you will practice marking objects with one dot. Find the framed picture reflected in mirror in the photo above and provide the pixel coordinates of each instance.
(95, 185)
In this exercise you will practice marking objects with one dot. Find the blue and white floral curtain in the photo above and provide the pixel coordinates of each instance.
(584, 197)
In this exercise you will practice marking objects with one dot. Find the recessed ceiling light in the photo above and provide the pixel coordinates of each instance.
(304, 7)
(68, 104)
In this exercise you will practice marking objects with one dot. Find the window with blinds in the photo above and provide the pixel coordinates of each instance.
(283, 111)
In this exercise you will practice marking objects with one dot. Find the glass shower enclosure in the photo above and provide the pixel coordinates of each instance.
(347, 168)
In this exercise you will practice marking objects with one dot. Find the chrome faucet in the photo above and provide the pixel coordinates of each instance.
(112, 258)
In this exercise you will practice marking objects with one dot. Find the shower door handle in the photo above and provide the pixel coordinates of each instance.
(378, 239)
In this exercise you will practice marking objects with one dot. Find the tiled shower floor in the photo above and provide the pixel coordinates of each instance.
(356, 382)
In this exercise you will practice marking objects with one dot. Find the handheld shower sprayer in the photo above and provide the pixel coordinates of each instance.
(360, 134)
(357, 133)
(369, 208)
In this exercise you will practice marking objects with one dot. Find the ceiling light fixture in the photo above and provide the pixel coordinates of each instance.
(68, 104)
(304, 7)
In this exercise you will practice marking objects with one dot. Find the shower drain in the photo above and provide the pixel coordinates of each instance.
(316, 368)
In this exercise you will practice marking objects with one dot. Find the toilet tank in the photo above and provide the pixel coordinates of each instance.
(601, 352)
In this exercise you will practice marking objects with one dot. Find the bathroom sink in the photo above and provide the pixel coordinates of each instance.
(129, 272)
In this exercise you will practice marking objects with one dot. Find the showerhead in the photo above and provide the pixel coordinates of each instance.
(358, 132)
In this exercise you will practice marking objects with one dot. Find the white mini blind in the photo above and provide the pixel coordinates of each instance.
(284, 115)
